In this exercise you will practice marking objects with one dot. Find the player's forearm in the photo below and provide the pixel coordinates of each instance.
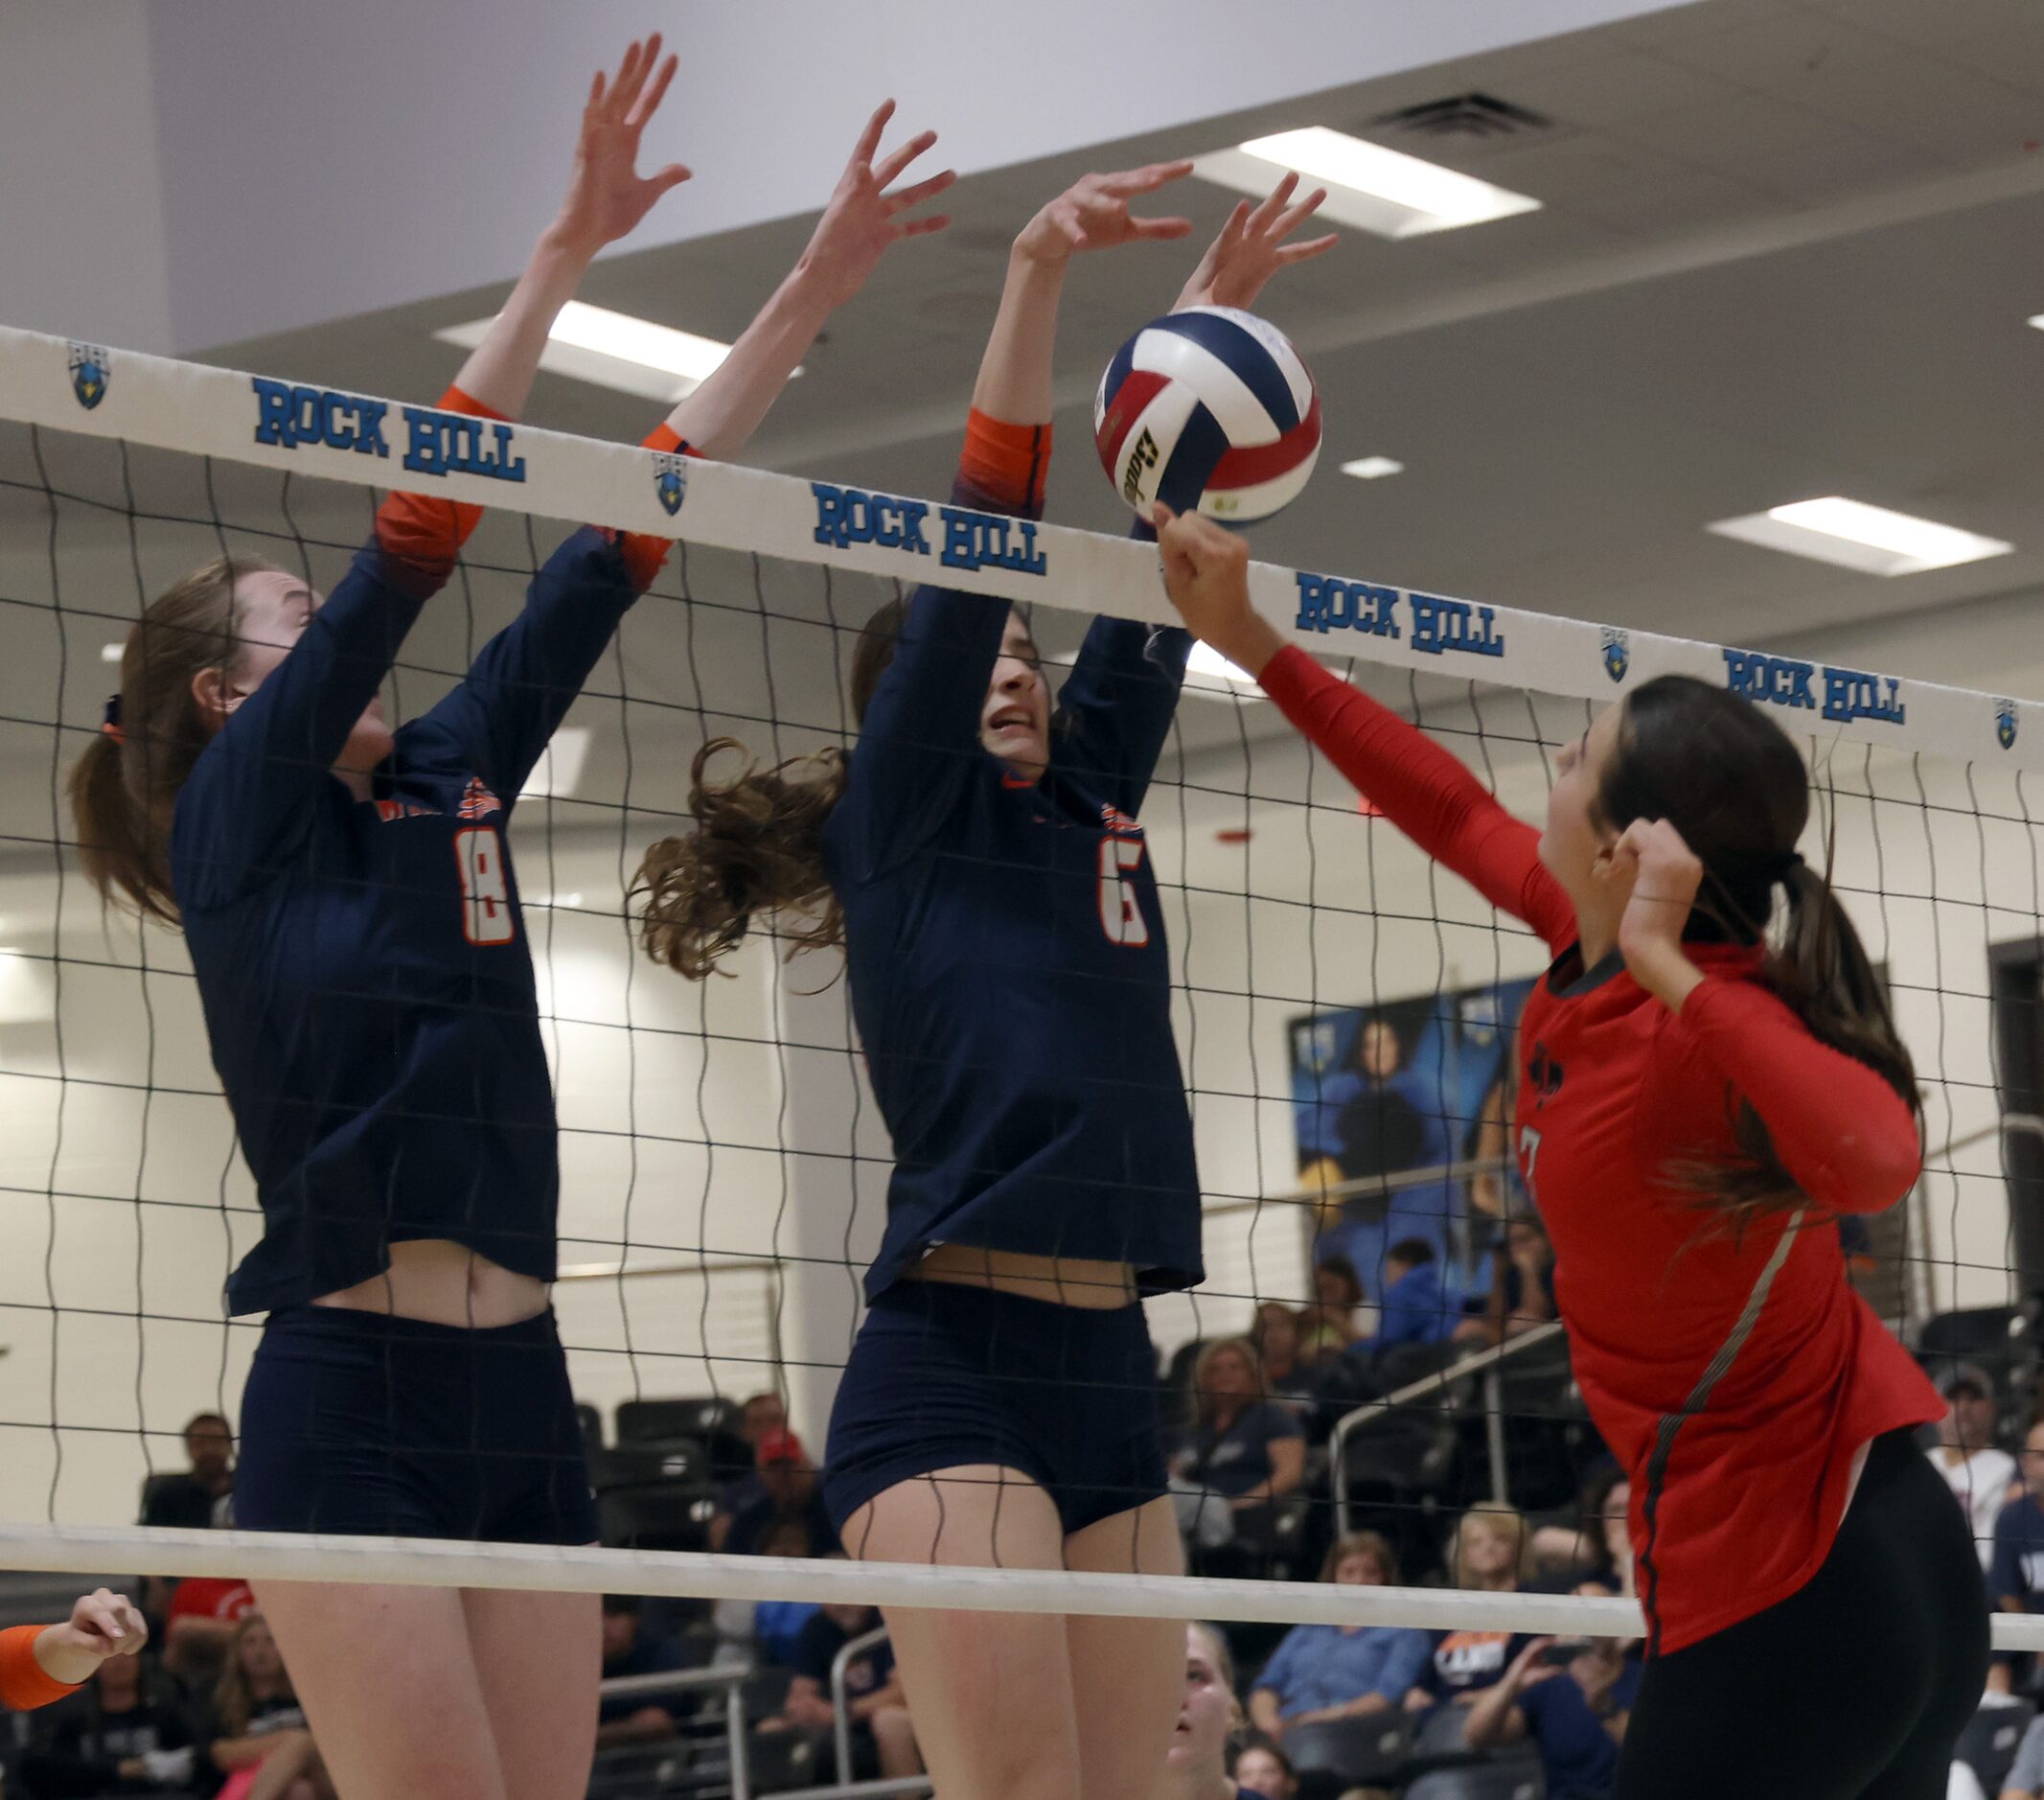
(499, 370)
(1014, 383)
(718, 417)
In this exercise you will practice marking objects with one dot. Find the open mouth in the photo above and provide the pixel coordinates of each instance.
(1011, 722)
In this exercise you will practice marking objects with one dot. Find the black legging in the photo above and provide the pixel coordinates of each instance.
(1853, 1688)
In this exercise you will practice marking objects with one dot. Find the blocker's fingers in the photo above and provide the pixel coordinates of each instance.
(1273, 201)
(921, 191)
(869, 138)
(891, 167)
(1312, 247)
(1147, 179)
(1292, 217)
(1161, 227)
(922, 227)
(648, 101)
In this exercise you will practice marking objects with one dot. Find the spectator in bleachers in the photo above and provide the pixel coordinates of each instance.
(1412, 1308)
(883, 1739)
(1244, 1452)
(2015, 1572)
(253, 1743)
(1286, 1376)
(1522, 1284)
(189, 1497)
(1575, 1713)
(116, 1737)
(632, 1648)
(1324, 1672)
(1597, 1556)
(761, 1631)
(789, 1488)
(1490, 1550)
(2025, 1779)
(1978, 1473)
(760, 1414)
(1328, 1325)
(1262, 1769)
(199, 1630)
(1196, 1764)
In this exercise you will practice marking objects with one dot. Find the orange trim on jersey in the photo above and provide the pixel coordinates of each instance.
(24, 1683)
(428, 533)
(1005, 462)
(643, 552)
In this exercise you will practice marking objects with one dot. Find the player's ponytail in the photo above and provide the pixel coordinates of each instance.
(125, 787)
(756, 846)
(1732, 782)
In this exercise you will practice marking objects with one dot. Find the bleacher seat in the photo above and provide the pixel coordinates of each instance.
(656, 1495)
(777, 1761)
(1366, 1749)
(1989, 1744)
(637, 1771)
(1514, 1775)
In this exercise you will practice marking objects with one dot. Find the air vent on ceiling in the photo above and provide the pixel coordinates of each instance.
(1464, 115)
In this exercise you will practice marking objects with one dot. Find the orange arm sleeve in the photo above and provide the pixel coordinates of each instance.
(1004, 464)
(425, 531)
(23, 1684)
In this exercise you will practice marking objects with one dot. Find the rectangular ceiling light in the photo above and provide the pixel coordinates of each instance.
(1853, 535)
(615, 350)
(1373, 467)
(1370, 187)
(559, 766)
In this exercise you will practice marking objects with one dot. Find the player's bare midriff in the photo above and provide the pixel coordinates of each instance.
(1063, 1281)
(441, 1283)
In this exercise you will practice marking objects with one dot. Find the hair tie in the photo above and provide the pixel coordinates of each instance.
(110, 720)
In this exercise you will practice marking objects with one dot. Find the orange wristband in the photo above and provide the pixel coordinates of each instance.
(23, 1682)
(428, 531)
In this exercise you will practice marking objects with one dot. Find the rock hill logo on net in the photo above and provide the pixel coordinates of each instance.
(435, 443)
(1847, 694)
(972, 540)
(1439, 626)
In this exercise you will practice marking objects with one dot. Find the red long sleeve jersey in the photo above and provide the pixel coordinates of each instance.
(1734, 1379)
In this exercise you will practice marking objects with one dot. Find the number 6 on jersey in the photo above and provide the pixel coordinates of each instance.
(1120, 912)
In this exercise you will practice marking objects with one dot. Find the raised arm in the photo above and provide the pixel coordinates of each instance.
(1425, 792)
(1115, 710)
(522, 682)
(920, 737)
(256, 785)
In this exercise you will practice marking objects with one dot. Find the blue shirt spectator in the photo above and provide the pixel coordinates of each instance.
(1412, 1308)
(1330, 1671)
(1575, 1714)
(777, 1626)
(1325, 1668)
(630, 1649)
(1229, 1451)
(2015, 1580)
(1464, 1663)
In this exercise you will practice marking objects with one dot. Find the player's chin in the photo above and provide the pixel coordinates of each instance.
(1022, 748)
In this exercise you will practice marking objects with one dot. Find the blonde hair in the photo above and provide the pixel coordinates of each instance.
(1251, 1359)
(1498, 1522)
(234, 1701)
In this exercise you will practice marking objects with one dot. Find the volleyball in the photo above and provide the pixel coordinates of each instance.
(1211, 408)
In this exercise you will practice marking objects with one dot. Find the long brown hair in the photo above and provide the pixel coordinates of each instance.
(756, 846)
(234, 1701)
(1733, 783)
(125, 787)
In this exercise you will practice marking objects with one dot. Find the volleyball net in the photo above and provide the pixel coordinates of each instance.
(1344, 1013)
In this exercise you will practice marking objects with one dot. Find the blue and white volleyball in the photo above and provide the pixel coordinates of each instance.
(1208, 408)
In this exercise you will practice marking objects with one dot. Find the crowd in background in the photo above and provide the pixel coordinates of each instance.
(210, 1709)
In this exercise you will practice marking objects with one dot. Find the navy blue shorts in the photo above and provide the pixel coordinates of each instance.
(943, 1375)
(362, 1423)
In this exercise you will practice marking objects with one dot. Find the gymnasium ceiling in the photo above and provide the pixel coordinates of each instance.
(1787, 248)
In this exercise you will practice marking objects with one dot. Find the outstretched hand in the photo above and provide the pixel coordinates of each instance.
(607, 195)
(103, 1623)
(863, 218)
(1251, 249)
(1093, 214)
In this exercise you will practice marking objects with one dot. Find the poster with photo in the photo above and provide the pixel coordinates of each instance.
(1388, 1093)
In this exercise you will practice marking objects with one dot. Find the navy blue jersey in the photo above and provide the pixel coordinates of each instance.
(1006, 950)
(362, 964)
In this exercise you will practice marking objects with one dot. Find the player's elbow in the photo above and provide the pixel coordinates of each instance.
(1869, 1174)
